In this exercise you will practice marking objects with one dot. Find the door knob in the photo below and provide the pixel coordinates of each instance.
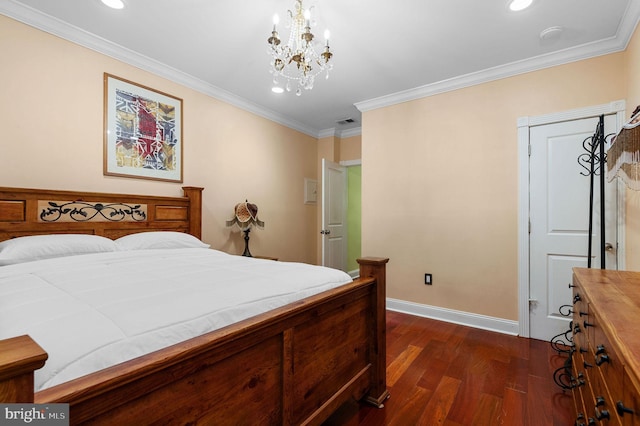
(608, 246)
(325, 232)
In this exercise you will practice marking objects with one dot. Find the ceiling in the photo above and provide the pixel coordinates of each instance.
(385, 52)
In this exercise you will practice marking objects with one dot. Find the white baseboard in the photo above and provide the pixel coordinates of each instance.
(457, 317)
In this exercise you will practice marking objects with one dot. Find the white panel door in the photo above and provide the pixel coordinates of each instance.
(334, 215)
(559, 219)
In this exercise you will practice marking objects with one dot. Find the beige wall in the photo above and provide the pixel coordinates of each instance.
(439, 173)
(351, 148)
(440, 186)
(51, 104)
(632, 213)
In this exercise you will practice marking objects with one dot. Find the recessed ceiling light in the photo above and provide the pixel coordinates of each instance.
(517, 5)
(277, 89)
(114, 4)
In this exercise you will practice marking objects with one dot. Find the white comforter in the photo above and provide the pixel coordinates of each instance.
(93, 311)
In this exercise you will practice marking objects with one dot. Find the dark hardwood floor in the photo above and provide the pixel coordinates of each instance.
(446, 374)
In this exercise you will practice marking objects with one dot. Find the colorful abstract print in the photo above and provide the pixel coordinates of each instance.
(145, 133)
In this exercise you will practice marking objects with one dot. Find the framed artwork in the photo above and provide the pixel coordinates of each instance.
(142, 131)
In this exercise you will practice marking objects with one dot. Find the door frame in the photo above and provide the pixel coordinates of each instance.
(524, 123)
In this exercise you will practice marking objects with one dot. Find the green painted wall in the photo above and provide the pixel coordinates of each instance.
(354, 214)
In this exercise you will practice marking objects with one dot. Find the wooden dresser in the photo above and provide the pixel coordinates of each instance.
(606, 335)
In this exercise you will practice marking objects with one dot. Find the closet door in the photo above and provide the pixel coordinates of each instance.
(559, 219)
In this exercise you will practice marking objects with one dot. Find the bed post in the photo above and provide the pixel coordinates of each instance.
(19, 357)
(376, 267)
(194, 194)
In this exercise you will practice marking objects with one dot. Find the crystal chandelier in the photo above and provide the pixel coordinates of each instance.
(297, 61)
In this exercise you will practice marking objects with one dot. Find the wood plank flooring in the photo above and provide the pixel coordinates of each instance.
(446, 374)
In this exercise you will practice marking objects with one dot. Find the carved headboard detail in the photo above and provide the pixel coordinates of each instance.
(41, 211)
(82, 211)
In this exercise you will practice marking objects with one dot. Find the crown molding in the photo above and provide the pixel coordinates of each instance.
(57, 27)
(602, 47)
(327, 133)
(347, 133)
(585, 51)
(81, 37)
(629, 22)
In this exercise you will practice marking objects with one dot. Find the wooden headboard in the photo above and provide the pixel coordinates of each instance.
(42, 211)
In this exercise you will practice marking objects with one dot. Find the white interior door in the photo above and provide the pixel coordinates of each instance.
(559, 219)
(334, 215)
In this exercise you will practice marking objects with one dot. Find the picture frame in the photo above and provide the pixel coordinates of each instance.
(142, 131)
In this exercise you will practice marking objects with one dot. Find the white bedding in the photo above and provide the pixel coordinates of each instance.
(93, 311)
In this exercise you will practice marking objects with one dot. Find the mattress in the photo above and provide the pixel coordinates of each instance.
(93, 311)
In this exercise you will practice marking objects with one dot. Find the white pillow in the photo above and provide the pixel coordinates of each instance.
(159, 240)
(36, 247)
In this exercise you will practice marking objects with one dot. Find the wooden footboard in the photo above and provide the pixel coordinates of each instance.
(293, 365)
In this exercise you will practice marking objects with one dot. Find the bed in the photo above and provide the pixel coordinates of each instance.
(295, 364)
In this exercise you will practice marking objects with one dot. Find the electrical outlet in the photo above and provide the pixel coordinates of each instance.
(428, 279)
